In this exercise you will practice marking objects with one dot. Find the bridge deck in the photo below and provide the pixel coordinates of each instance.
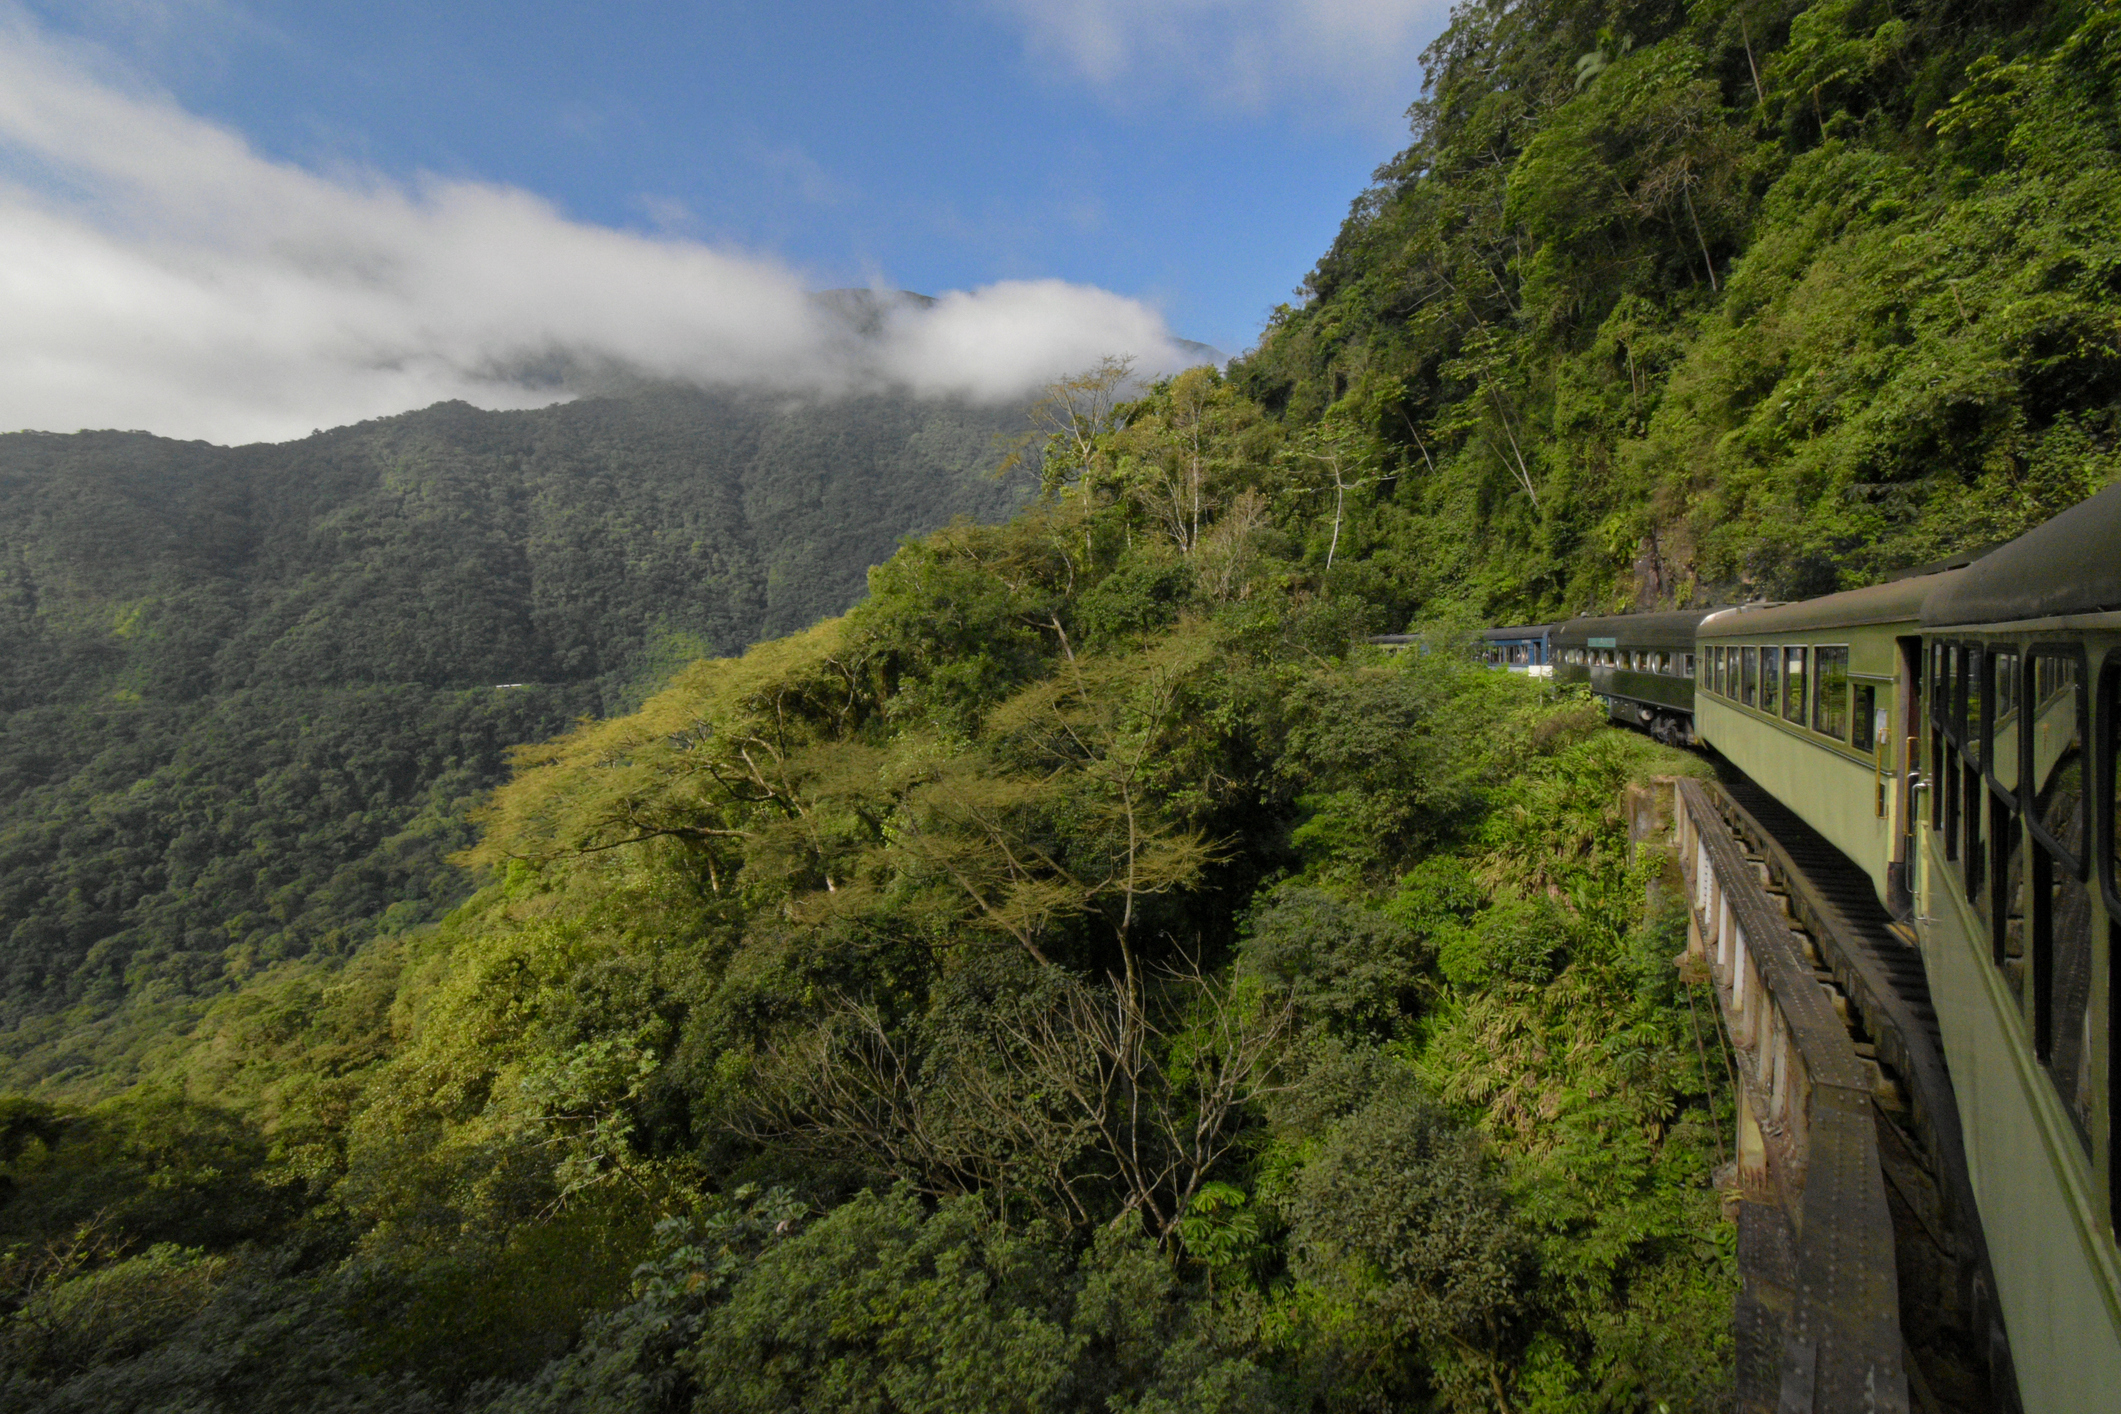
(1960, 1357)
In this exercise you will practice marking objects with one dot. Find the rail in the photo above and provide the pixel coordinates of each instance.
(1807, 1142)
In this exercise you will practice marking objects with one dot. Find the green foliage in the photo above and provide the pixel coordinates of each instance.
(1080, 976)
(1675, 304)
(1347, 968)
(247, 695)
(882, 1305)
(1399, 1214)
(1516, 940)
(1230, 1017)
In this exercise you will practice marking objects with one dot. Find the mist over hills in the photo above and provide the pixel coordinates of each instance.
(249, 692)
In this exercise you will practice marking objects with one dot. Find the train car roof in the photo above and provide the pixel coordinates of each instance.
(1897, 602)
(1673, 628)
(1496, 635)
(2071, 565)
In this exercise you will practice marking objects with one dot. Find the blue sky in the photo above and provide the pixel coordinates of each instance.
(1193, 156)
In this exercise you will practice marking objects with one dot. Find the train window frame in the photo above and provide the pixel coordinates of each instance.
(2104, 761)
(1973, 682)
(1749, 676)
(1771, 679)
(1933, 726)
(2002, 665)
(1954, 693)
(1820, 703)
(2106, 767)
(1796, 683)
(1975, 811)
(2078, 857)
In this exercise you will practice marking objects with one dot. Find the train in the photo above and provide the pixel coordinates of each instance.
(1940, 751)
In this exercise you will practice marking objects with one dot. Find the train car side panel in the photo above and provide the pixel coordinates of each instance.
(2040, 1208)
(1834, 793)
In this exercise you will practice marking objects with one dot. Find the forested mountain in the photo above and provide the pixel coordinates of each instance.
(1676, 302)
(1083, 976)
(249, 693)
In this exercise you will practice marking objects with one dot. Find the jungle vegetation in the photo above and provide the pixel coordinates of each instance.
(248, 694)
(1078, 977)
(1083, 975)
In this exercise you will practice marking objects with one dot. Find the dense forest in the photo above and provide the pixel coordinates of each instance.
(248, 694)
(1084, 975)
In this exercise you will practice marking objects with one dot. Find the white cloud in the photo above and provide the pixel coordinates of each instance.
(1360, 59)
(155, 272)
(992, 342)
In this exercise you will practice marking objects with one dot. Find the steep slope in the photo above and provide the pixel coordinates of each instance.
(1680, 302)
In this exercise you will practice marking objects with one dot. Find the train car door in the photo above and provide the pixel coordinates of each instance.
(1903, 747)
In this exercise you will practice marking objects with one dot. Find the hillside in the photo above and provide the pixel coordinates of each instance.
(1671, 304)
(1078, 977)
(250, 692)
(1083, 975)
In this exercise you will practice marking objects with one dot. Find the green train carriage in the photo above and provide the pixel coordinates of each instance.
(1814, 702)
(1641, 665)
(2019, 909)
(1956, 737)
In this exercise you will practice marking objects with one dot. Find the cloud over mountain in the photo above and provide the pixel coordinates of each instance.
(157, 272)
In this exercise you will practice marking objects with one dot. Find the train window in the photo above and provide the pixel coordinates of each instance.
(1974, 729)
(2110, 803)
(2002, 744)
(1973, 721)
(2054, 714)
(1954, 713)
(1830, 692)
(1687, 665)
(1866, 721)
(2108, 828)
(1749, 676)
(2062, 984)
(1719, 671)
(1793, 684)
(1995, 863)
(1940, 684)
(2051, 711)
(1771, 680)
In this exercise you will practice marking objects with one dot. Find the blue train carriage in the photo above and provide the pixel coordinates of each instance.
(1642, 665)
(1525, 648)
(2020, 912)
